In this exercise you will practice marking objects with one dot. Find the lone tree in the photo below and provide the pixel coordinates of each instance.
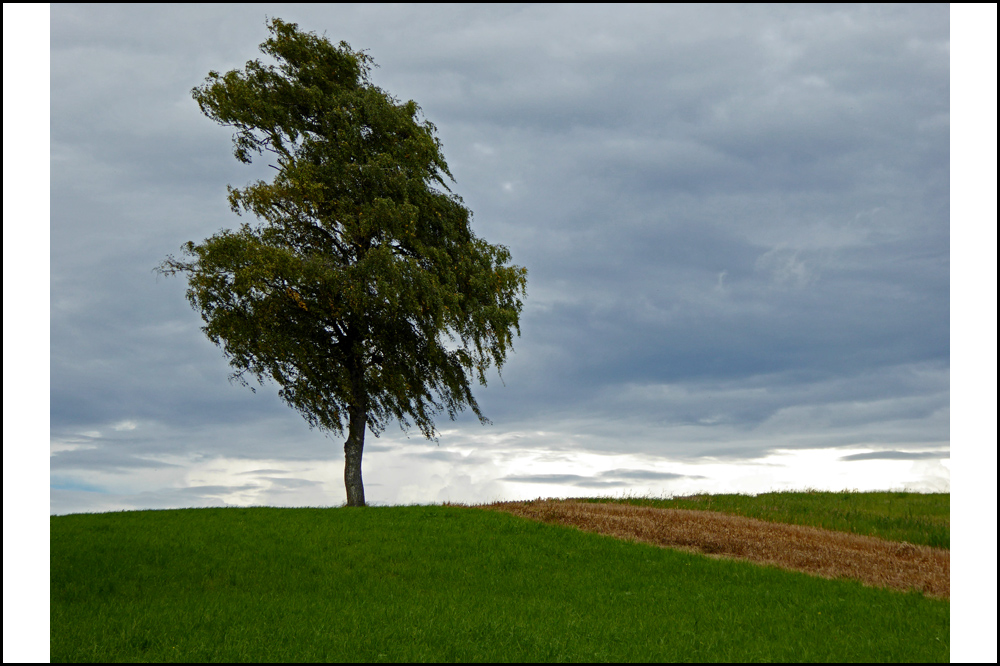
(361, 290)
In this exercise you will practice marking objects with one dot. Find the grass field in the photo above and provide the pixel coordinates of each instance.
(443, 583)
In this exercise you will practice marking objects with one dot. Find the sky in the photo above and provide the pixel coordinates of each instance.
(736, 220)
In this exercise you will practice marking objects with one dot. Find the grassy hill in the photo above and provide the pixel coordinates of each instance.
(444, 583)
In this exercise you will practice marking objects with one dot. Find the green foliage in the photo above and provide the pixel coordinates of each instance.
(362, 286)
(918, 518)
(444, 584)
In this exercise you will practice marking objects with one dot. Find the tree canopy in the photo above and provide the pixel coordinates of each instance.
(361, 289)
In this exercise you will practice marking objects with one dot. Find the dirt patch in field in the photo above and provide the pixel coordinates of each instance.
(872, 561)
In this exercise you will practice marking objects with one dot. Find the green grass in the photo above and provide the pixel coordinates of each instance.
(918, 518)
(433, 583)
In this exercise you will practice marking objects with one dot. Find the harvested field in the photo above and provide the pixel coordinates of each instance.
(820, 552)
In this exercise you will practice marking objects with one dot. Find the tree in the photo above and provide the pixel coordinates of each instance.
(361, 290)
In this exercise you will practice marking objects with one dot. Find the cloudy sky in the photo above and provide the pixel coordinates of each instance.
(735, 221)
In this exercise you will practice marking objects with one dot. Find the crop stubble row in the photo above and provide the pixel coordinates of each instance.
(812, 550)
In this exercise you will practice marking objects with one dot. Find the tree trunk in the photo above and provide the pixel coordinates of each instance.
(352, 457)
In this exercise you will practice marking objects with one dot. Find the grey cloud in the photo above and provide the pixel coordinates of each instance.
(566, 479)
(610, 478)
(643, 474)
(210, 490)
(278, 483)
(898, 455)
(453, 457)
(60, 483)
(103, 459)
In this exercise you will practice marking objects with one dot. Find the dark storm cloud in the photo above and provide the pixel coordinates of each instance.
(735, 220)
